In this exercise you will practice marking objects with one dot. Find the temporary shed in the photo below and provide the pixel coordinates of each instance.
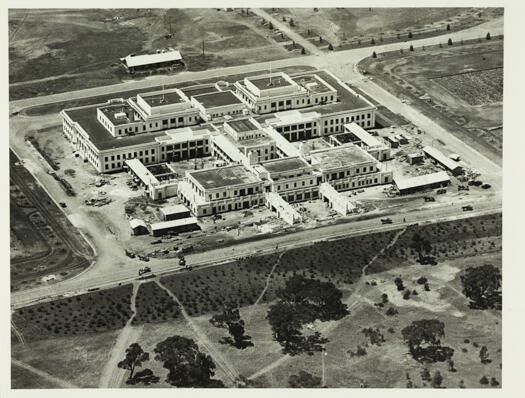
(407, 185)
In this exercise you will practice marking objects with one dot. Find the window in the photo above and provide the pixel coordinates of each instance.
(112, 157)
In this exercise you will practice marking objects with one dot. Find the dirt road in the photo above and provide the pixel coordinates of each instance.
(112, 375)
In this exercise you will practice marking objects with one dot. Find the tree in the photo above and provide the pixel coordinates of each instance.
(291, 22)
(411, 47)
(488, 36)
(330, 47)
(135, 357)
(320, 39)
(437, 380)
(301, 301)
(399, 283)
(422, 246)
(372, 42)
(284, 18)
(409, 35)
(484, 380)
(425, 375)
(230, 319)
(482, 286)
(448, 26)
(449, 42)
(187, 366)
(484, 355)
(423, 338)
(304, 380)
(303, 51)
(270, 26)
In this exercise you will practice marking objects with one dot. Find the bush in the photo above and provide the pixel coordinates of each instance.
(494, 382)
(392, 311)
(484, 380)
(406, 294)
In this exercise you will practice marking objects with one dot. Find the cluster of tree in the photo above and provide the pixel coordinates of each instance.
(303, 301)
(230, 319)
(375, 336)
(423, 338)
(187, 366)
(482, 285)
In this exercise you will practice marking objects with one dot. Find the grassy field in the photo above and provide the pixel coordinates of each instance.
(59, 50)
(456, 245)
(348, 28)
(43, 241)
(463, 92)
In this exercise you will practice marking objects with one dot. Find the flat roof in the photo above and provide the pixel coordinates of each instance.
(347, 100)
(159, 98)
(340, 156)
(100, 137)
(403, 182)
(219, 98)
(312, 83)
(173, 223)
(441, 158)
(263, 82)
(284, 164)
(111, 110)
(242, 125)
(223, 176)
(174, 209)
(200, 89)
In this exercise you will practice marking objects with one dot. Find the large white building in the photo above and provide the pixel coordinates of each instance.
(264, 130)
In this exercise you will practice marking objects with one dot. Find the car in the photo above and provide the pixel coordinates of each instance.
(430, 199)
(467, 208)
(486, 186)
(441, 191)
(386, 220)
(63, 205)
(144, 270)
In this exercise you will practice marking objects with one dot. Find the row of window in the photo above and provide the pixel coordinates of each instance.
(341, 174)
(130, 155)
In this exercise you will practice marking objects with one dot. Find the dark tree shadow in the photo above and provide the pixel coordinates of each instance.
(145, 376)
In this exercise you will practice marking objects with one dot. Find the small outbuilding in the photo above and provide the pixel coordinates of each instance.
(415, 158)
(138, 227)
(175, 226)
(175, 212)
(407, 185)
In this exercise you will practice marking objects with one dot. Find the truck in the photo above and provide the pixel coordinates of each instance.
(144, 270)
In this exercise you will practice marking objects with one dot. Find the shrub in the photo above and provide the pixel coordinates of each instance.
(484, 380)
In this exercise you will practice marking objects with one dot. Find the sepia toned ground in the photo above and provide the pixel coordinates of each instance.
(170, 306)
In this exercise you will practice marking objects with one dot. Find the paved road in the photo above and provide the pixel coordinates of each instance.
(329, 60)
(112, 267)
(106, 277)
(285, 28)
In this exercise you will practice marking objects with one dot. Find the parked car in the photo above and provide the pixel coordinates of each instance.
(467, 208)
(430, 199)
(386, 220)
(486, 186)
(441, 191)
(63, 205)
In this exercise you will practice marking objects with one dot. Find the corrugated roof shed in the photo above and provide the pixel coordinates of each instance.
(441, 158)
(148, 59)
(135, 223)
(421, 181)
(173, 223)
(175, 209)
